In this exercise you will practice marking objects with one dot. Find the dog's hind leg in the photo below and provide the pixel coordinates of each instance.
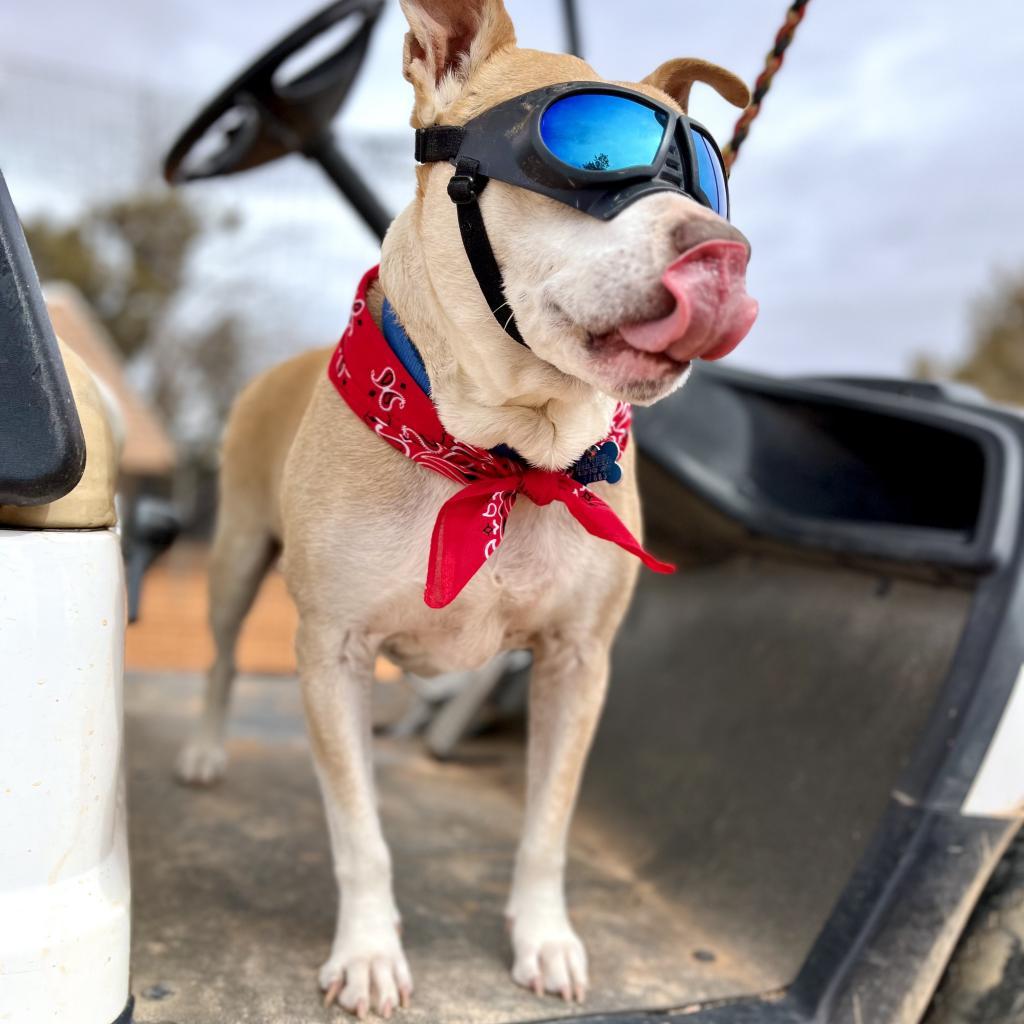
(243, 551)
(567, 689)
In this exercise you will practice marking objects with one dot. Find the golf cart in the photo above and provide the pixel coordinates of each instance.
(812, 758)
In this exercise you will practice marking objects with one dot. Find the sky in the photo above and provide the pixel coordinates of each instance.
(881, 187)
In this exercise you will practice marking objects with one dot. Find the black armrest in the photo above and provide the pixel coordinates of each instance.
(42, 449)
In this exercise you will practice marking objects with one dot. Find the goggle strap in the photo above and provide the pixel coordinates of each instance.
(438, 142)
(478, 246)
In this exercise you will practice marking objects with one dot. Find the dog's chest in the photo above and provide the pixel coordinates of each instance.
(535, 578)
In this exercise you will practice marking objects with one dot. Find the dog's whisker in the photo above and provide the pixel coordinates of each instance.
(511, 315)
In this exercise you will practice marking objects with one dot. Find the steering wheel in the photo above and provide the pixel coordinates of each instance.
(273, 109)
(262, 115)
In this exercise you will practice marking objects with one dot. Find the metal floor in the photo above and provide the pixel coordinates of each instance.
(234, 896)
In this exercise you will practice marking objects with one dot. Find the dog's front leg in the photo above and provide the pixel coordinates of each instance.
(567, 690)
(367, 967)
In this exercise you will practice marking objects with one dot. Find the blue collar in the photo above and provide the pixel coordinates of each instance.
(401, 344)
(598, 463)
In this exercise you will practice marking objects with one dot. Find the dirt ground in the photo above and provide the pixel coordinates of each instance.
(172, 635)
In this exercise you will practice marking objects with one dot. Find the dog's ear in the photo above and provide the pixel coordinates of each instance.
(446, 42)
(676, 78)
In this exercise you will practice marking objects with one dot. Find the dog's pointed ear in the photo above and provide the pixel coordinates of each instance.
(446, 42)
(676, 78)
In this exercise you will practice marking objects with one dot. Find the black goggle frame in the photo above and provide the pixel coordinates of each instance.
(505, 143)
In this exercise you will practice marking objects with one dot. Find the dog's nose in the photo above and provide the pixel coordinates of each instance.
(694, 232)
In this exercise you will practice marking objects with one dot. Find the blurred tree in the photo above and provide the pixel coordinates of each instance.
(129, 258)
(995, 361)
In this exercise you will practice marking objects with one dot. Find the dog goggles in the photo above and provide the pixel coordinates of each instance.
(597, 148)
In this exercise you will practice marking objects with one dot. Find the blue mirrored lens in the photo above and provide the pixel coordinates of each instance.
(598, 132)
(710, 174)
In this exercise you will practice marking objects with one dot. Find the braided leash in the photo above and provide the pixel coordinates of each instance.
(794, 16)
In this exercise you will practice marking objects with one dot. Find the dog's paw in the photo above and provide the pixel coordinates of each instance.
(365, 975)
(549, 958)
(201, 763)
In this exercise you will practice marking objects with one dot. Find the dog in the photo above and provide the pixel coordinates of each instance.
(354, 518)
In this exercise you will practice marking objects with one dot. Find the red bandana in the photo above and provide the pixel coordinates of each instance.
(470, 526)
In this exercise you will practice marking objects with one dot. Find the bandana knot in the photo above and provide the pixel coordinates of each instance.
(380, 390)
(542, 487)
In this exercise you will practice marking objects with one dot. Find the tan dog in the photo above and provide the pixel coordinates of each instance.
(355, 517)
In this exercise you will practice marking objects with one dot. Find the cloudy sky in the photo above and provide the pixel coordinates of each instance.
(882, 187)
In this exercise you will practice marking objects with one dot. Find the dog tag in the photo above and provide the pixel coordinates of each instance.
(599, 463)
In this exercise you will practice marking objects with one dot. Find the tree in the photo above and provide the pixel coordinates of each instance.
(995, 362)
(129, 259)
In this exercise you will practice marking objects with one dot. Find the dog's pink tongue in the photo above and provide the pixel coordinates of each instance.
(713, 310)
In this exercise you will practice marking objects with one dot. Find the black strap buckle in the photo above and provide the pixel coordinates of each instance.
(466, 184)
(462, 189)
